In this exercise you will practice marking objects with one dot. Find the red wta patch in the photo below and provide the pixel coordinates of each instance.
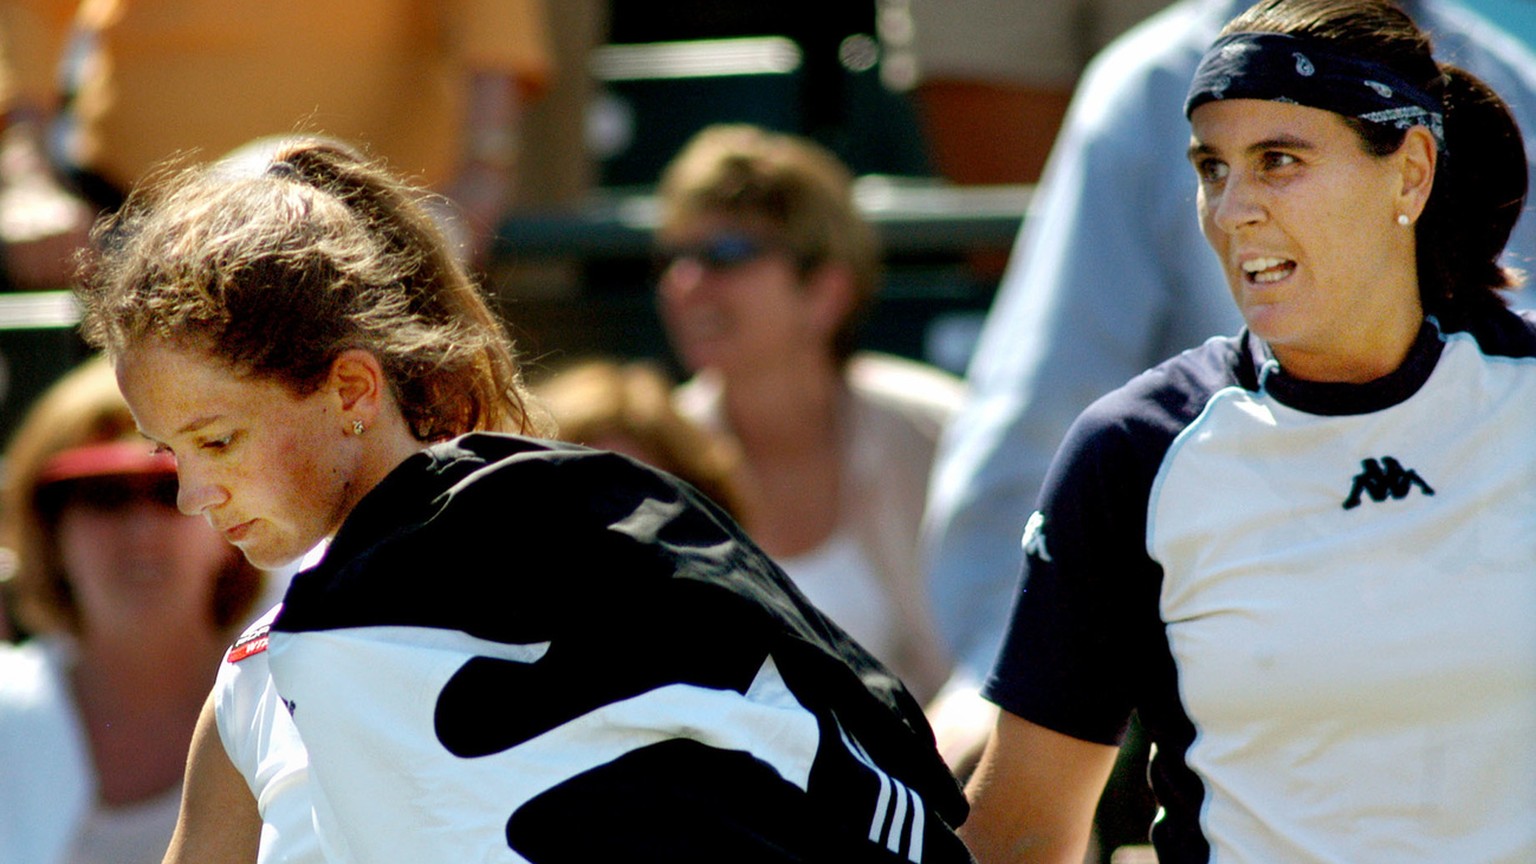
(253, 641)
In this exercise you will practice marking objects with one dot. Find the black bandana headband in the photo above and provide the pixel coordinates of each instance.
(1277, 67)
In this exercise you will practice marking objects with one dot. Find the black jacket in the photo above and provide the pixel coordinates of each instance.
(640, 594)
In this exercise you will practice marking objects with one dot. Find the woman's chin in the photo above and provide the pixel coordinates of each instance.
(266, 557)
(1268, 321)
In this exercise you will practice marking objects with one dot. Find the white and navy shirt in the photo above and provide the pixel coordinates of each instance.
(1320, 599)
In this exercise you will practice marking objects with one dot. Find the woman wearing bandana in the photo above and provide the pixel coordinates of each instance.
(1303, 555)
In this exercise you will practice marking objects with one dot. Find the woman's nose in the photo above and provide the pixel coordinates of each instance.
(681, 279)
(1239, 204)
(196, 493)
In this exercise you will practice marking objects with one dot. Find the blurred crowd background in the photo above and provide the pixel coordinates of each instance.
(706, 303)
(943, 111)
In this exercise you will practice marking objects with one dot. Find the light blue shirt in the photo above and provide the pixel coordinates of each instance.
(1518, 17)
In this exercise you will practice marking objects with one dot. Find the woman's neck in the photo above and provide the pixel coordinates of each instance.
(379, 451)
(1374, 347)
(789, 428)
(783, 408)
(150, 663)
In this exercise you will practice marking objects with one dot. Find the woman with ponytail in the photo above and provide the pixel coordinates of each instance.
(1302, 556)
(505, 648)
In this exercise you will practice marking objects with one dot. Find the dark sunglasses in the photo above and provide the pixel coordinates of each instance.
(718, 252)
(110, 493)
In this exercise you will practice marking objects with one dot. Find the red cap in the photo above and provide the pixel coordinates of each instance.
(110, 458)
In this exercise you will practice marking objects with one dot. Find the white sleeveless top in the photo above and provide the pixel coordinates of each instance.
(840, 580)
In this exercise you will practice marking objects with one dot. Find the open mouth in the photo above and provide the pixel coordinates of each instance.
(1263, 271)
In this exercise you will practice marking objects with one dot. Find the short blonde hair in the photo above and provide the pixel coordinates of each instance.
(793, 185)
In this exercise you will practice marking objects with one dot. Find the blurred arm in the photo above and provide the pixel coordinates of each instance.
(41, 223)
(505, 48)
(484, 184)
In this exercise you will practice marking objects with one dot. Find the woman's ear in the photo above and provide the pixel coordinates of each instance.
(357, 380)
(1417, 157)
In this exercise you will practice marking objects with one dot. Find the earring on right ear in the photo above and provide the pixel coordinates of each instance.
(1402, 219)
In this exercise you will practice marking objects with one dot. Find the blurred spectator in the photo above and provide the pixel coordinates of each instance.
(129, 605)
(117, 86)
(769, 269)
(995, 77)
(627, 408)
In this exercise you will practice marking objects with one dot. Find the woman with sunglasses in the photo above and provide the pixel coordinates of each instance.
(128, 604)
(510, 649)
(1304, 555)
(769, 271)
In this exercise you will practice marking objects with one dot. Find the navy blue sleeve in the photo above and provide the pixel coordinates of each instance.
(1086, 635)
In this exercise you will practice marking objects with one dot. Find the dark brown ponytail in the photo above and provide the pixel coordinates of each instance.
(1479, 192)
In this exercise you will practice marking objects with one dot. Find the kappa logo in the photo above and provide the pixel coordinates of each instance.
(1034, 537)
(1383, 479)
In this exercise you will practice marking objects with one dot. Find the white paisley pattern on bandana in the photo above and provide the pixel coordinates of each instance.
(1278, 67)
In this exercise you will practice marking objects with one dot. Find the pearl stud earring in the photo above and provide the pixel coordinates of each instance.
(1402, 219)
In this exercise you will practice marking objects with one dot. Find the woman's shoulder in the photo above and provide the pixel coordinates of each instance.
(904, 384)
(470, 461)
(37, 712)
(1176, 390)
(559, 485)
(1116, 446)
(1504, 333)
(479, 474)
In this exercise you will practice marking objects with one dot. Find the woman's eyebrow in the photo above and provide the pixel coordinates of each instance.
(197, 423)
(1281, 142)
(1277, 142)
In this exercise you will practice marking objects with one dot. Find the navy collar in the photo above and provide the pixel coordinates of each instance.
(1336, 399)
